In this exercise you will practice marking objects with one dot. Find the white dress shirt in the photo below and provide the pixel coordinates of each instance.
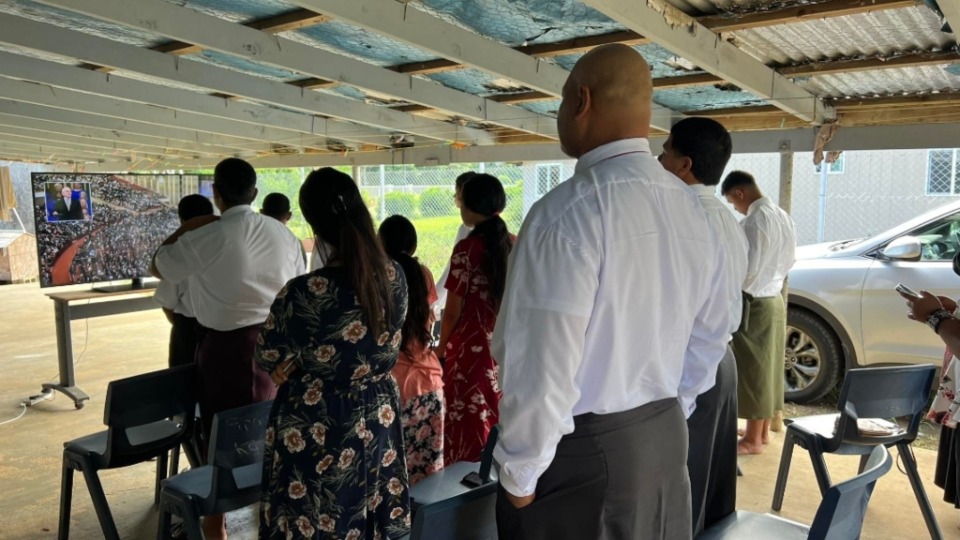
(240, 263)
(773, 241)
(175, 297)
(614, 284)
(730, 234)
(462, 233)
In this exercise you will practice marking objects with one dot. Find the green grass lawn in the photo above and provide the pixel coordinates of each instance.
(435, 238)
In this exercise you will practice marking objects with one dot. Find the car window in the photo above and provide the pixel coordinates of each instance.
(940, 240)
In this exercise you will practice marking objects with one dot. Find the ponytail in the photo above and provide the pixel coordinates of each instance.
(498, 243)
(399, 239)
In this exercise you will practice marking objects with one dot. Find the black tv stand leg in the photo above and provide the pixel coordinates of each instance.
(75, 393)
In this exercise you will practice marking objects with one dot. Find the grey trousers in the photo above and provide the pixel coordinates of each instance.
(620, 476)
(712, 461)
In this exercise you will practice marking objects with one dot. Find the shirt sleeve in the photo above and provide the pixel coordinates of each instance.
(181, 259)
(167, 294)
(758, 242)
(708, 338)
(538, 343)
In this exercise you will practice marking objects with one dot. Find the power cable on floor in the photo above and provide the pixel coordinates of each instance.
(23, 411)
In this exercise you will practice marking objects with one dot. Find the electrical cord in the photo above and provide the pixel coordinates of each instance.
(23, 411)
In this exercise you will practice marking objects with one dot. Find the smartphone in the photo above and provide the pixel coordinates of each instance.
(901, 288)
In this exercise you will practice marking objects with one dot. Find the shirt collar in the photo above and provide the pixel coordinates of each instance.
(703, 190)
(755, 205)
(611, 150)
(240, 208)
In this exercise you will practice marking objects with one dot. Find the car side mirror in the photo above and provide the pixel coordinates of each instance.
(905, 248)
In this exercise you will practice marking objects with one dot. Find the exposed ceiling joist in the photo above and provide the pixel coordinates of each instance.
(211, 32)
(54, 148)
(48, 38)
(171, 136)
(799, 13)
(451, 42)
(72, 100)
(254, 121)
(694, 42)
(12, 129)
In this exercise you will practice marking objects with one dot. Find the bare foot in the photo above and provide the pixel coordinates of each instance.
(745, 448)
(766, 439)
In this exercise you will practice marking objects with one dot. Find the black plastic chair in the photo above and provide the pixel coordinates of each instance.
(230, 481)
(457, 478)
(839, 517)
(880, 392)
(137, 414)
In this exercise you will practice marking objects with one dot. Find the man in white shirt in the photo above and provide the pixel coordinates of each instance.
(613, 315)
(697, 151)
(462, 233)
(237, 266)
(759, 343)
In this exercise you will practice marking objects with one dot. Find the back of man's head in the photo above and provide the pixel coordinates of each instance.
(236, 181)
(739, 180)
(277, 206)
(192, 206)
(708, 145)
(463, 178)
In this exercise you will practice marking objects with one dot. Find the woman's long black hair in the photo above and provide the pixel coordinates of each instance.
(399, 239)
(484, 195)
(331, 204)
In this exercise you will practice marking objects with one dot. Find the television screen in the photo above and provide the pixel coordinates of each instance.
(98, 227)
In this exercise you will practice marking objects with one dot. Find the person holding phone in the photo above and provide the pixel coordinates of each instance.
(941, 314)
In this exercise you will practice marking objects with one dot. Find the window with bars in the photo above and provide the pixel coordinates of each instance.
(942, 172)
(548, 177)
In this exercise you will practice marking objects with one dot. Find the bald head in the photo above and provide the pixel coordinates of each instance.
(607, 97)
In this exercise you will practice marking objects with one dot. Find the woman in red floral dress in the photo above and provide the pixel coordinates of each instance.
(478, 270)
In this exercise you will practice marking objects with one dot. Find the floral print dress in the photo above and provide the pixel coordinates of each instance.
(470, 384)
(334, 465)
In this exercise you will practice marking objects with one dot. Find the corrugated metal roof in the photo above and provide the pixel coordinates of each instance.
(866, 34)
(910, 80)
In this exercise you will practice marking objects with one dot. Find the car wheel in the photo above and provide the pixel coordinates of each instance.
(812, 358)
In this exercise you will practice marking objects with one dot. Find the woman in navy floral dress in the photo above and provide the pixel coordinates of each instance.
(334, 462)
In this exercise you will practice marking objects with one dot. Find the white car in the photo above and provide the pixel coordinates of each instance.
(843, 311)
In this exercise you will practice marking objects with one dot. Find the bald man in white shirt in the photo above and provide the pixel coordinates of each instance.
(697, 151)
(759, 343)
(613, 315)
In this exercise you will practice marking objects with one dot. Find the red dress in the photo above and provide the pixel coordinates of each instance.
(471, 389)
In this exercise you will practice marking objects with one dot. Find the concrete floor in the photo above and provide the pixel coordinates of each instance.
(118, 346)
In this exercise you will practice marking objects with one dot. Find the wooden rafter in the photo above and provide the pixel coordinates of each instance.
(802, 13)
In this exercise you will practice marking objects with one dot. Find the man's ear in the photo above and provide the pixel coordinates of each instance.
(585, 101)
(686, 166)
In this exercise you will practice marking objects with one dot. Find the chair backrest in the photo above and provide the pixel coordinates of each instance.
(471, 515)
(840, 515)
(486, 458)
(236, 441)
(141, 400)
(884, 392)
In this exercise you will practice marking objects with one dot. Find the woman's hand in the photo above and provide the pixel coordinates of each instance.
(921, 308)
(948, 303)
(281, 373)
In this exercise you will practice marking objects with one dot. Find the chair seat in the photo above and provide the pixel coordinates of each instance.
(444, 484)
(824, 425)
(149, 439)
(742, 525)
(197, 484)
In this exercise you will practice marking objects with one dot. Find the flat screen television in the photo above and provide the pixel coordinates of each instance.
(95, 228)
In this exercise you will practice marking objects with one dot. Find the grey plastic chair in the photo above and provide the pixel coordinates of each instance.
(878, 392)
(230, 481)
(448, 482)
(138, 414)
(444, 507)
(839, 517)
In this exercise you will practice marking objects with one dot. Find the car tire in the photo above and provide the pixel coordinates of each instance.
(813, 357)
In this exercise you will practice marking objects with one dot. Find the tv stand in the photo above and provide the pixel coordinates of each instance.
(136, 284)
(104, 304)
